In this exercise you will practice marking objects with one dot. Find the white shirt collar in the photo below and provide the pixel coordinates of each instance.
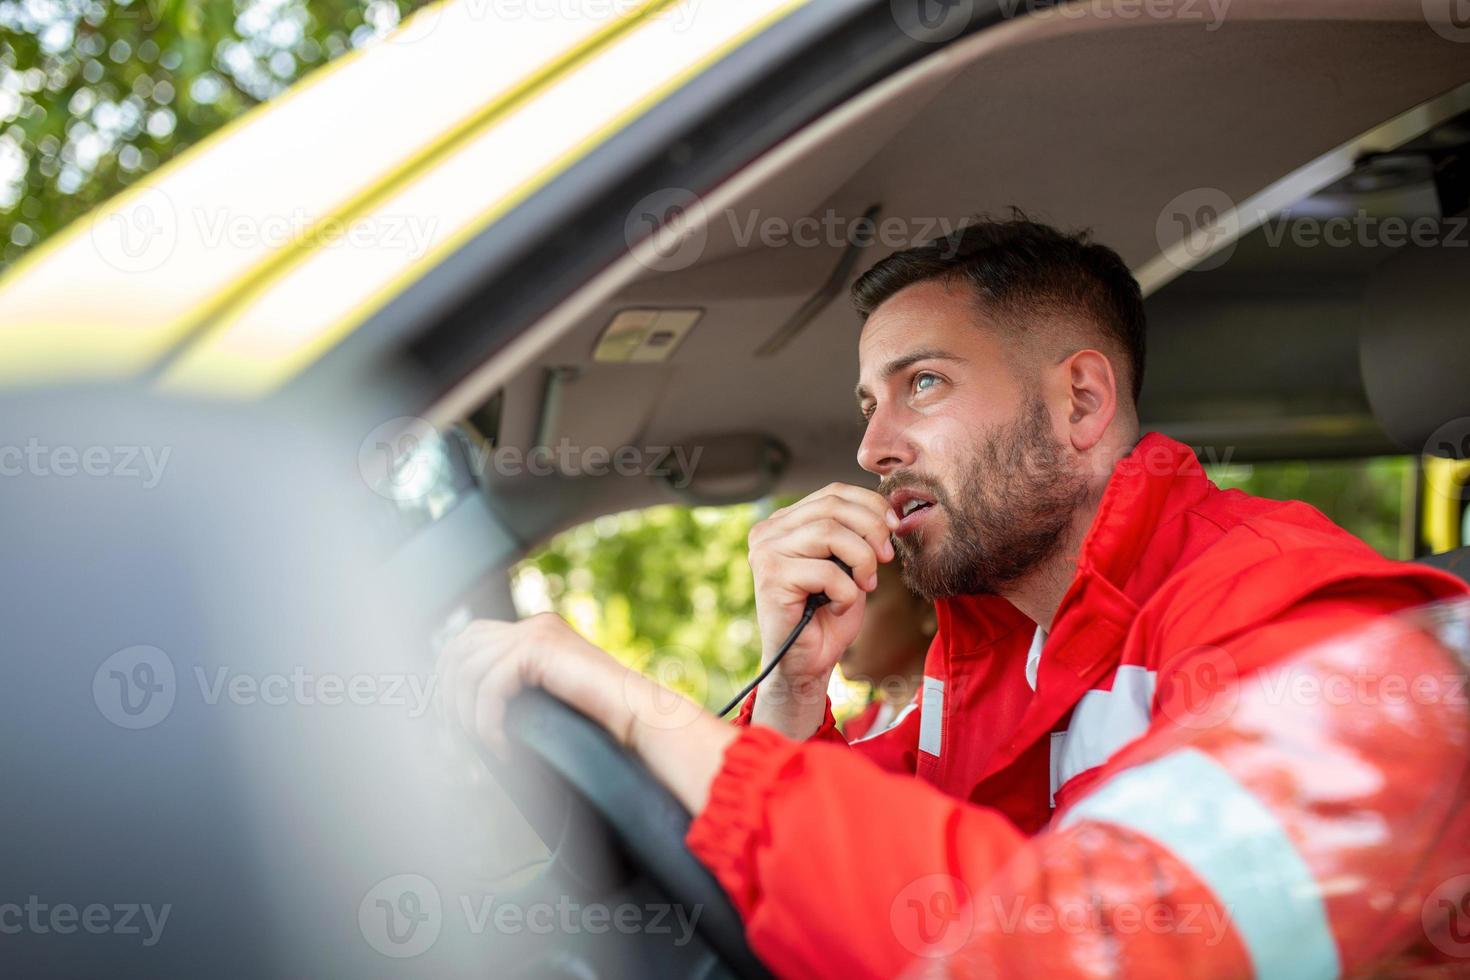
(1033, 658)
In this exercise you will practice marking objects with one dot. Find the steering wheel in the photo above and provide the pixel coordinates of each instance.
(606, 818)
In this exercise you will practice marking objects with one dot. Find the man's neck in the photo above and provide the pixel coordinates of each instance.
(1040, 593)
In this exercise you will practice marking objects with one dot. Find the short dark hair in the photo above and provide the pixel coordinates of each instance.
(1021, 269)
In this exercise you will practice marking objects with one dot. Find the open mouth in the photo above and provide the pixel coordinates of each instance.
(911, 507)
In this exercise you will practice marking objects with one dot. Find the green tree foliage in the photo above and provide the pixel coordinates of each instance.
(668, 589)
(94, 94)
(1367, 497)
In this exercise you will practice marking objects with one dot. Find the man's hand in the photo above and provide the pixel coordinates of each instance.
(485, 666)
(788, 554)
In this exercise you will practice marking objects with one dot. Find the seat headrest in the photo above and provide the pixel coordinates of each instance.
(1414, 349)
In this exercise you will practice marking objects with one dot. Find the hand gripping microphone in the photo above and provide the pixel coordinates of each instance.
(813, 603)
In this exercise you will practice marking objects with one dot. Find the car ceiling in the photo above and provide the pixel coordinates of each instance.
(1085, 121)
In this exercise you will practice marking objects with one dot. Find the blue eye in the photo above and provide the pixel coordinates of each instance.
(921, 377)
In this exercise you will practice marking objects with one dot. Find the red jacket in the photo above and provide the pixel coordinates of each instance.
(872, 721)
(858, 725)
(1168, 716)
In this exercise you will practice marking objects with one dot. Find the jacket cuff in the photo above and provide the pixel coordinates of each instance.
(827, 731)
(726, 833)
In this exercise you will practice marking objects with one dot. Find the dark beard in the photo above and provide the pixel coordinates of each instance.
(1013, 511)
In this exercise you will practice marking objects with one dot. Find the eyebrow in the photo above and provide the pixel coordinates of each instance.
(908, 360)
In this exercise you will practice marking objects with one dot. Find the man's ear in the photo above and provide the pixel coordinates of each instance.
(1092, 397)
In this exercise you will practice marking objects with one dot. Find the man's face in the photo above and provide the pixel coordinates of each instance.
(964, 442)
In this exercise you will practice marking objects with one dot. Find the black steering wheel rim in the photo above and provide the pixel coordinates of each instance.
(610, 790)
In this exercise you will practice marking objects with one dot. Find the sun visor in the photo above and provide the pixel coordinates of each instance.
(730, 468)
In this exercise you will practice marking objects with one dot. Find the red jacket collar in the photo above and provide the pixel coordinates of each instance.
(1157, 480)
(1153, 483)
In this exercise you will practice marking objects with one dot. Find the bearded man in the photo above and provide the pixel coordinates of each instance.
(1100, 736)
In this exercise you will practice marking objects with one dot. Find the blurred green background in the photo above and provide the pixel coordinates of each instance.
(94, 95)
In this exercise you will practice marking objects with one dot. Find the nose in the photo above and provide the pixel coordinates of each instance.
(885, 446)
